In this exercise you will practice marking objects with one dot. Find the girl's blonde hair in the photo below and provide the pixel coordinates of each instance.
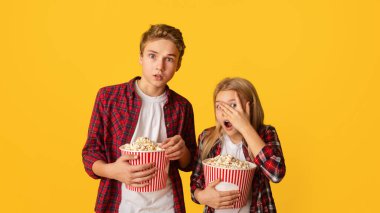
(246, 92)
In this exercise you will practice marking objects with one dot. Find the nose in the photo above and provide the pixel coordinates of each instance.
(160, 64)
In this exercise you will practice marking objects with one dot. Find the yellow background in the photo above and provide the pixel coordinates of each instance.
(315, 65)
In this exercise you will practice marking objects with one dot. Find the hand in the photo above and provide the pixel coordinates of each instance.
(217, 199)
(137, 175)
(237, 116)
(174, 147)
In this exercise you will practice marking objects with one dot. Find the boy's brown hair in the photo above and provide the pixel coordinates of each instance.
(163, 31)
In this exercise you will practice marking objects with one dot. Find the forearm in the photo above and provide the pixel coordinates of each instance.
(270, 158)
(185, 159)
(103, 169)
(198, 196)
(255, 143)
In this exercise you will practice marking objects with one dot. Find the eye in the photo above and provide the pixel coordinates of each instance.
(170, 59)
(233, 105)
(152, 56)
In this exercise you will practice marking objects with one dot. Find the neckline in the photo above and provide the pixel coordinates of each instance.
(145, 97)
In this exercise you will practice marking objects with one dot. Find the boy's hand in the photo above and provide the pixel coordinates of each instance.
(217, 199)
(175, 147)
(137, 175)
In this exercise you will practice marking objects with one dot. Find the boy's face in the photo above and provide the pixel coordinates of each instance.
(159, 62)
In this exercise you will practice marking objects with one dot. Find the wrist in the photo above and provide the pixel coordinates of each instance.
(246, 130)
(111, 171)
(198, 195)
(102, 169)
(184, 160)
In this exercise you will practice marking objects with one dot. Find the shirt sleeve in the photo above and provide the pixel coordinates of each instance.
(197, 179)
(189, 137)
(270, 159)
(94, 150)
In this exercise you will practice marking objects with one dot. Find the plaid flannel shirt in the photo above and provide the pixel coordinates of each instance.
(270, 166)
(113, 122)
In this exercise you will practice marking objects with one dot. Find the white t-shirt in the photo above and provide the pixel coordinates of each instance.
(151, 124)
(236, 150)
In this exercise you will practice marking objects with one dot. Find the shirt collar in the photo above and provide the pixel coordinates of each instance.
(131, 87)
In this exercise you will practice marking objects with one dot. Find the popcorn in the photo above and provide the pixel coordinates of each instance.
(142, 144)
(147, 151)
(233, 172)
(228, 162)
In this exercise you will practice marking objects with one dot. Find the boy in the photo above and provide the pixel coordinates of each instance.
(145, 106)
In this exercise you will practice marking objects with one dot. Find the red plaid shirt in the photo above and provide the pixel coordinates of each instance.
(270, 166)
(113, 123)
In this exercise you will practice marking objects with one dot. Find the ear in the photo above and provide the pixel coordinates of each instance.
(140, 59)
(178, 66)
(248, 108)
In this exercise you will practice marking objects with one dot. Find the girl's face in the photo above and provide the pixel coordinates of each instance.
(227, 97)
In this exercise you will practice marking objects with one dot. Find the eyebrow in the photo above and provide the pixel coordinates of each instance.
(233, 99)
(170, 54)
(152, 51)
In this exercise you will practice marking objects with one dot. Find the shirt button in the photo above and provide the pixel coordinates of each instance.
(167, 125)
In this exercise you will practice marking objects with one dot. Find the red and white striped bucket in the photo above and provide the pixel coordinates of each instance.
(159, 181)
(240, 177)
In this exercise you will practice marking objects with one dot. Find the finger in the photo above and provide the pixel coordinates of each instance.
(141, 174)
(226, 109)
(174, 149)
(214, 183)
(177, 139)
(234, 198)
(238, 102)
(225, 206)
(229, 193)
(171, 151)
(178, 145)
(128, 157)
(174, 156)
(164, 142)
(168, 143)
(145, 177)
(137, 168)
(228, 203)
(139, 185)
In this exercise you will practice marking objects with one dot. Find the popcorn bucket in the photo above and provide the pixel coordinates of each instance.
(158, 157)
(232, 179)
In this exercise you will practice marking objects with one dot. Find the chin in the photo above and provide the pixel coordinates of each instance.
(231, 132)
(158, 83)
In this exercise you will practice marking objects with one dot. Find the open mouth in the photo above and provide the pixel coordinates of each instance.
(158, 77)
(227, 124)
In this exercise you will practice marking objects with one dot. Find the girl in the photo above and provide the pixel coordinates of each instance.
(240, 132)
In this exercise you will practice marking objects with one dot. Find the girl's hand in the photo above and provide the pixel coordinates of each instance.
(237, 116)
(217, 199)
(136, 176)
